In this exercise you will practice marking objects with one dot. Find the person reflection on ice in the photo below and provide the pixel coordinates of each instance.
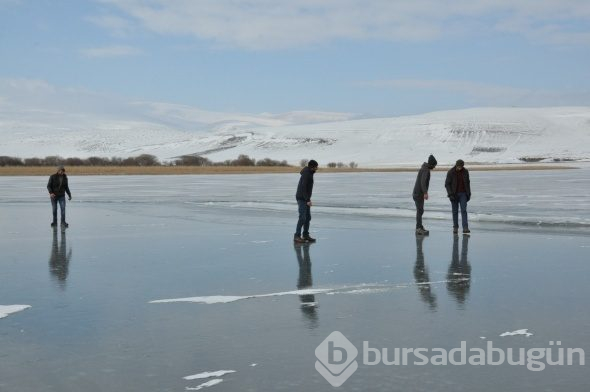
(459, 274)
(59, 260)
(422, 278)
(304, 281)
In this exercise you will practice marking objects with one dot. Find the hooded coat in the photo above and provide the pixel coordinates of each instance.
(422, 182)
(305, 186)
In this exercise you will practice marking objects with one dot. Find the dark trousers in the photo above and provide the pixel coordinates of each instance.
(304, 218)
(419, 211)
(62, 206)
(460, 200)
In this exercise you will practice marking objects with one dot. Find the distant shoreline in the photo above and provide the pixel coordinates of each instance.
(202, 170)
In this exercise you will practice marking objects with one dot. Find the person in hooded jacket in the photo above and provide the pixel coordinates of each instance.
(420, 193)
(458, 188)
(303, 197)
(57, 186)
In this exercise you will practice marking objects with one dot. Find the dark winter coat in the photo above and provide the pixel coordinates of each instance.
(305, 187)
(58, 185)
(422, 182)
(451, 182)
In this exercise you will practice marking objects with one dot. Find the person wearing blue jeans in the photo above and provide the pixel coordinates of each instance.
(303, 197)
(57, 186)
(458, 188)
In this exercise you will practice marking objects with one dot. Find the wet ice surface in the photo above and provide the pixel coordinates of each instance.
(133, 240)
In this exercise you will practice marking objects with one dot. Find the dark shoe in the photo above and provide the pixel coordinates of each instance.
(299, 240)
(308, 238)
(53, 224)
(422, 231)
(455, 230)
(64, 224)
(466, 231)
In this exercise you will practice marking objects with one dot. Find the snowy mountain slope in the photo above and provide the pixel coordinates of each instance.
(490, 135)
(476, 135)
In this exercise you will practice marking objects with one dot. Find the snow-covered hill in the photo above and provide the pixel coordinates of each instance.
(487, 135)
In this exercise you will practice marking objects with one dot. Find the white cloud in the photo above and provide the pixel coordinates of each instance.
(118, 26)
(485, 94)
(272, 24)
(111, 51)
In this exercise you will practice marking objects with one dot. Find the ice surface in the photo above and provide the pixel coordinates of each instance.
(217, 373)
(517, 332)
(6, 310)
(134, 239)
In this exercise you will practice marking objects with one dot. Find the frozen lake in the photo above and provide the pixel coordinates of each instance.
(161, 279)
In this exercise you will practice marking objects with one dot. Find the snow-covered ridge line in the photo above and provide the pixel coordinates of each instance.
(484, 135)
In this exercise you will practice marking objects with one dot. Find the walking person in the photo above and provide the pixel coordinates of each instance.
(459, 193)
(303, 197)
(420, 193)
(58, 187)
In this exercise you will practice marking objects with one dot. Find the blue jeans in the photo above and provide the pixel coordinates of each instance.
(62, 206)
(304, 218)
(460, 200)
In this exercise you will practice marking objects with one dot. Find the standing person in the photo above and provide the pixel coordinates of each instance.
(459, 193)
(420, 193)
(303, 197)
(58, 187)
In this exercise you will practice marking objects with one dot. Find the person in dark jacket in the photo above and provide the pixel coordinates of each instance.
(459, 193)
(303, 197)
(58, 187)
(420, 193)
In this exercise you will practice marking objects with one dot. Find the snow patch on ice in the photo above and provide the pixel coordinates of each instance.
(517, 332)
(217, 373)
(217, 299)
(6, 310)
(363, 288)
(205, 384)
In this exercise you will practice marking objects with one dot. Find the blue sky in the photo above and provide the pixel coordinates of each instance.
(371, 57)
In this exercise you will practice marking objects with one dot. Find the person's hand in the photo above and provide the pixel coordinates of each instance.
(468, 197)
(69, 197)
(309, 203)
(52, 195)
(426, 196)
(452, 197)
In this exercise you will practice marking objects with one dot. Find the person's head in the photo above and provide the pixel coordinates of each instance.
(459, 164)
(313, 165)
(61, 169)
(432, 162)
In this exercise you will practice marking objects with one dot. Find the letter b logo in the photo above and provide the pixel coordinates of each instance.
(336, 359)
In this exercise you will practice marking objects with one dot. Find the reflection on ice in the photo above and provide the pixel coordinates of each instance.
(305, 281)
(459, 274)
(421, 276)
(59, 260)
